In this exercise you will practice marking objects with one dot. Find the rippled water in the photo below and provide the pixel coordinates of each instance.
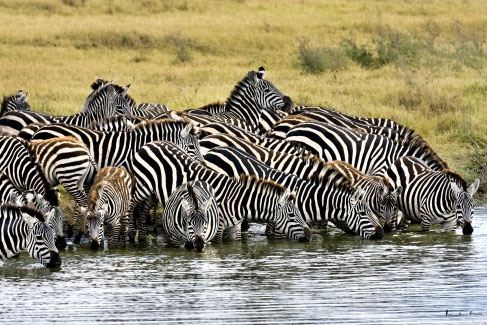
(408, 277)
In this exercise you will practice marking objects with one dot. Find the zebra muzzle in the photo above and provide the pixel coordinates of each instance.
(61, 242)
(94, 244)
(306, 237)
(467, 228)
(288, 104)
(199, 243)
(379, 233)
(55, 260)
(387, 227)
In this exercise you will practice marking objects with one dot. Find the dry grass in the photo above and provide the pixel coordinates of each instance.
(422, 63)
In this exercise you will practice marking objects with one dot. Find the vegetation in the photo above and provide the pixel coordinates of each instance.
(422, 63)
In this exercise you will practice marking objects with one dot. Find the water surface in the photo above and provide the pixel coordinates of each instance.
(407, 277)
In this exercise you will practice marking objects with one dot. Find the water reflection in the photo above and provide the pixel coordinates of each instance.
(408, 277)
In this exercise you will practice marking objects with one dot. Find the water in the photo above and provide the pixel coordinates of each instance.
(406, 278)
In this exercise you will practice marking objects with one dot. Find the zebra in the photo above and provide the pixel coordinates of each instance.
(248, 98)
(160, 167)
(190, 217)
(109, 202)
(105, 100)
(341, 204)
(15, 102)
(117, 148)
(268, 118)
(24, 228)
(433, 197)
(67, 161)
(370, 153)
(378, 192)
(116, 123)
(399, 131)
(22, 172)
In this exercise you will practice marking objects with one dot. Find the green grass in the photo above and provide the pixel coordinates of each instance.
(422, 63)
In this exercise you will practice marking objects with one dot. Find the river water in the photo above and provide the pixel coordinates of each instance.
(406, 278)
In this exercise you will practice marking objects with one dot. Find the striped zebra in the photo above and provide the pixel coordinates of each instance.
(341, 204)
(331, 116)
(378, 192)
(10, 193)
(17, 102)
(115, 123)
(370, 153)
(160, 167)
(433, 197)
(21, 171)
(105, 100)
(117, 148)
(248, 98)
(67, 162)
(108, 206)
(26, 229)
(268, 118)
(190, 217)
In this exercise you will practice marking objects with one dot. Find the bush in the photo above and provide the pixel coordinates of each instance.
(319, 59)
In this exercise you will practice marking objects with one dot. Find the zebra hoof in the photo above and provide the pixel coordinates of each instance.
(467, 228)
(61, 243)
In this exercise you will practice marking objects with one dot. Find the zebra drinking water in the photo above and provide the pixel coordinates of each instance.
(109, 202)
(24, 228)
(190, 217)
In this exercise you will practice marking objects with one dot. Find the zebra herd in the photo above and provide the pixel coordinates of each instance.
(255, 157)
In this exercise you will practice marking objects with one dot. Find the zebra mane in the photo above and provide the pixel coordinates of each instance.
(417, 143)
(5, 101)
(242, 84)
(99, 83)
(31, 211)
(211, 105)
(273, 186)
(296, 117)
(115, 119)
(192, 195)
(68, 138)
(457, 178)
(51, 195)
(349, 174)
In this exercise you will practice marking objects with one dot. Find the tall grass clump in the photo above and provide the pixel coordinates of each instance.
(317, 60)
(477, 167)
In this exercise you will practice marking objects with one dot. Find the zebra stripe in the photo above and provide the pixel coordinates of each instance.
(23, 228)
(268, 118)
(15, 102)
(370, 153)
(149, 110)
(340, 204)
(105, 100)
(113, 123)
(190, 217)
(160, 167)
(433, 197)
(117, 148)
(108, 206)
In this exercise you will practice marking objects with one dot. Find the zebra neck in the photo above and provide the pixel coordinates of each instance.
(244, 107)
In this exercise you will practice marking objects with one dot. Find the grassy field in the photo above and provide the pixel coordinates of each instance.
(422, 63)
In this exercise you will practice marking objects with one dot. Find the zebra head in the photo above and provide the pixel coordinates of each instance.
(289, 220)
(56, 221)
(188, 139)
(41, 240)
(122, 101)
(464, 205)
(196, 217)
(388, 208)
(265, 94)
(15, 102)
(360, 219)
(95, 220)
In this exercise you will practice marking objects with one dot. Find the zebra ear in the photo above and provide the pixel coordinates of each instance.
(397, 191)
(48, 216)
(285, 197)
(455, 188)
(252, 77)
(30, 220)
(15, 199)
(30, 197)
(474, 187)
(261, 73)
(186, 130)
(23, 97)
(125, 90)
(186, 206)
(130, 125)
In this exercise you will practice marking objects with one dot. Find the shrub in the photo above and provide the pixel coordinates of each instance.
(319, 59)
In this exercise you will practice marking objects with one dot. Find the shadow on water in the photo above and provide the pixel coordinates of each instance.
(407, 277)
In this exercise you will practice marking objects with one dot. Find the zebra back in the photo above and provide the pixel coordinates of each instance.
(115, 123)
(149, 110)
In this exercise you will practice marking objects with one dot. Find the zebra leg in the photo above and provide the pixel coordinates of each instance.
(425, 224)
(142, 212)
(450, 225)
(218, 238)
(122, 236)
